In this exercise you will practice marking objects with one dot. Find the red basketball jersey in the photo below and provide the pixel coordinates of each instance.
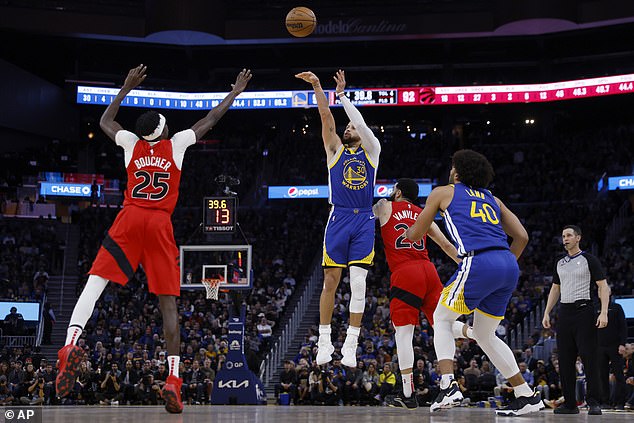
(398, 249)
(153, 177)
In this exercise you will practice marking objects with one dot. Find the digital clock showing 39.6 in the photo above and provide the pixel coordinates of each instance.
(219, 214)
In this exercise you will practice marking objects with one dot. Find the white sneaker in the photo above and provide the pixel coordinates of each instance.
(349, 352)
(324, 351)
(447, 398)
(114, 403)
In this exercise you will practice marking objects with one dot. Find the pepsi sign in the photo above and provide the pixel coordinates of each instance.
(322, 191)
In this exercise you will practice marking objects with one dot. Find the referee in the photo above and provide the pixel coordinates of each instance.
(576, 325)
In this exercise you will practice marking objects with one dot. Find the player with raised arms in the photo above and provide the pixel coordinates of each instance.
(142, 232)
(479, 224)
(349, 235)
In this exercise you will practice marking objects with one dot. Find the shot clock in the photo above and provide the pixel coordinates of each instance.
(219, 214)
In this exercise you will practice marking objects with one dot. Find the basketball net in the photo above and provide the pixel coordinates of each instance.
(211, 286)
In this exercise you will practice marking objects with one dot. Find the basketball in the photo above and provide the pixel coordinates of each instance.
(300, 22)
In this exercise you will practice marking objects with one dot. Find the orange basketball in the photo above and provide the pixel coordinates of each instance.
(300, 22)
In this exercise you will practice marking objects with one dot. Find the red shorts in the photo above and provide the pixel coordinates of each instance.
(414, 287)
(145, 236)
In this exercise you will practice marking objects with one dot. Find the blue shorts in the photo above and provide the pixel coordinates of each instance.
(483, 282)
(349, 238)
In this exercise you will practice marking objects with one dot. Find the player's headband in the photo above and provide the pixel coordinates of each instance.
(158, 131)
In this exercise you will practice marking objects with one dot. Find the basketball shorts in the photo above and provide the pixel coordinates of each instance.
(414, 287)
(140, 236)
(349, 238)
(484, 282)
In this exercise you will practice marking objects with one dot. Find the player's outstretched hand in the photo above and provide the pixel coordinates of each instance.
(309, 77)
(340, 79)
(242, 80)
(135, 77)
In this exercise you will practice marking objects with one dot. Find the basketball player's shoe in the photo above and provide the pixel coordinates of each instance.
(401, 401)
(69, 358)
(349, 352)
(447, 398)
(324, 350)
(172, 394)
(521, 405)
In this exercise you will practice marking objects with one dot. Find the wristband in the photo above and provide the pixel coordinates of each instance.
(339, 94)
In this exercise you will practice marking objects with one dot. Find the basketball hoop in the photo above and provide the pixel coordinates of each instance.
(211, 286)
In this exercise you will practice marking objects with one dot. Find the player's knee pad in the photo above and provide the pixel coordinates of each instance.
(357, 289)
(404, 347)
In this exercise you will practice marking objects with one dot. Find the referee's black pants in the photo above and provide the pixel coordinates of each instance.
(577, 336)
(610, 361)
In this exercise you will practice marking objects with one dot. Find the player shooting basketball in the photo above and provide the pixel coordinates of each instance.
(142, 232)
(349, 236)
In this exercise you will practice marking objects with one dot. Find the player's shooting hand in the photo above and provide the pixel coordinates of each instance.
(308, 77)
(135, 77)
(241, 81)
(340, 79)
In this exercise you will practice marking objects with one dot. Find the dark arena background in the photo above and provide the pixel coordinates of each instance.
(544, 89)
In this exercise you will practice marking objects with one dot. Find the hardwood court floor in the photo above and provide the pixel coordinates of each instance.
(303, 414)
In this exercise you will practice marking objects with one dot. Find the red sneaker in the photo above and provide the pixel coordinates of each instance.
(172, 394)
(69, 358)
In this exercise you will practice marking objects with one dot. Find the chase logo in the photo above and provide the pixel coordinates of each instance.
(292, 192)
(65, 189)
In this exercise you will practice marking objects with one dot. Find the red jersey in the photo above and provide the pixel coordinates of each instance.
(398, 249)
(154, 169)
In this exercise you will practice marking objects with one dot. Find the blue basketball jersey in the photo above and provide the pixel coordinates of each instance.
(351, 179)
(473, 220)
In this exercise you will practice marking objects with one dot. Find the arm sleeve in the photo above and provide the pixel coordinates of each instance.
(370, 142)
(180, 142)
(596, 270)
(126, 140)
(556, 274)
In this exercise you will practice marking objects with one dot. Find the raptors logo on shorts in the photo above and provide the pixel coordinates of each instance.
(414, 284)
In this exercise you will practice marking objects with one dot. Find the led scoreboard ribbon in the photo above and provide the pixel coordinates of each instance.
(407, 96)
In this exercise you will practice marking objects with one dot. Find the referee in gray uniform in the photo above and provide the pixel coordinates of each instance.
(576, 324)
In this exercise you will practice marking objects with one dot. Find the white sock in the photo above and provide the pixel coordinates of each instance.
(72, 335)
(523, 390)
(353, 334)
(324, 333)
(408, 384)
(446, 380)
(85, 306)
(174, 361)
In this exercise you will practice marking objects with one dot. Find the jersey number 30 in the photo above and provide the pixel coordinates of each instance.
(403, 242)
(158, 180)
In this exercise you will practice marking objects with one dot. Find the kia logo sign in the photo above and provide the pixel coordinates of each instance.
(292, 192)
